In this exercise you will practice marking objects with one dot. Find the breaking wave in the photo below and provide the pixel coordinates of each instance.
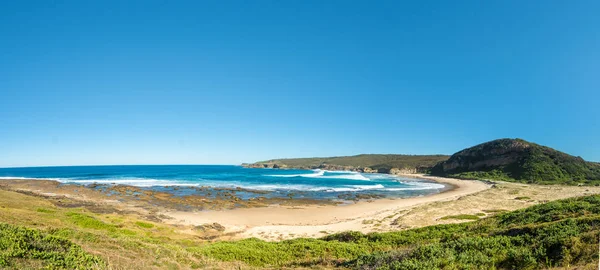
(321, 174)
(316, 183)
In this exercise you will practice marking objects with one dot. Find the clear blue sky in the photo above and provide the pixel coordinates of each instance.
(225, 82)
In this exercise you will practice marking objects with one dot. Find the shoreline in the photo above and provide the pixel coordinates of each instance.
(287, 219)
(264, 219)
(343, 198)
(280, 222)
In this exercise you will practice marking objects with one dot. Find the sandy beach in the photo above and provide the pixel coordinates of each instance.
(475, 198)
(287, 219)
(277, 222)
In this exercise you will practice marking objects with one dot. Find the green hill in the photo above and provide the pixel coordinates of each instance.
(378, 162)
(518, 160)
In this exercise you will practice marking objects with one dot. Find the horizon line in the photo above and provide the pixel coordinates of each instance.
(107, 165)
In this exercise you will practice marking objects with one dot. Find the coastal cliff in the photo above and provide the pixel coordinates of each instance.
(503, 159)
(328, 167)
(368, 163)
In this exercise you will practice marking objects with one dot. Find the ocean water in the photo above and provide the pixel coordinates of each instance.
(313, 184)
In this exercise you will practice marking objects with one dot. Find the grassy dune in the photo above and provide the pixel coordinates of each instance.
(63, 237)
(556, 234)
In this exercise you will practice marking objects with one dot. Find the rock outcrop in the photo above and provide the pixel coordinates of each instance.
(332, 167)
(397, 171)
(264, 165)
(367, 163)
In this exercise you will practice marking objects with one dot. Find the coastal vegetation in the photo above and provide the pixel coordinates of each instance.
(28, 248)
(556, 234)
(35, 233)
(520, 161)
(382, 163)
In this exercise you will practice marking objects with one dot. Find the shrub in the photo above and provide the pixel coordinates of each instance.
(21, 246)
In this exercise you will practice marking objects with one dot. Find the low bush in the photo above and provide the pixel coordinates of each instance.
(27, 248)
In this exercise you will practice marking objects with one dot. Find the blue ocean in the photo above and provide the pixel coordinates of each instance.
(313, 184)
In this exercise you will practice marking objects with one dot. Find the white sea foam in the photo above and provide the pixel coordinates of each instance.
(350, 177)
(350, 172)
(357, 188)
(321, 174)
(415, 185)
(374, 176)
(148, 182)
(316, 174)
(348, 188)
(365, 187)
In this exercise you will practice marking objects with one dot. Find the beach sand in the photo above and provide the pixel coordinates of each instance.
(475, 198)
(286, 219)
(277, 222)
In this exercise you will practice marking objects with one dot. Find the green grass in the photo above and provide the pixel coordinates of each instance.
(145, 225)
(462, 217)
(44, 210)
(494, 211)
(260, 253)
(86, 221)
(27, 248)
(115, 238)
